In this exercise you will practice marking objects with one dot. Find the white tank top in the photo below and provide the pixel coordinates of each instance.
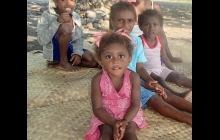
(152, 53)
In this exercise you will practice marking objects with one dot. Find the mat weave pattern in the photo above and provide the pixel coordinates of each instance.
(59, 105)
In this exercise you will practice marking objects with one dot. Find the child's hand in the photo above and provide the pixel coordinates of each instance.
(122, 129)
(116, 130)
(75, 59)
(64, 17)
(154, 86)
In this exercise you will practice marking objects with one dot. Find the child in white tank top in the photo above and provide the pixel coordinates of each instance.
(150, 22)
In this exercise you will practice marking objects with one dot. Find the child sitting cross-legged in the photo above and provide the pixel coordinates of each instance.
(115, 91)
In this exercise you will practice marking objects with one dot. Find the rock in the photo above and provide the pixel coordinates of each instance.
(82, 14)
(105, 24)
(91, 14)
(99, 14)
(96, 25)
(89, 25)
(100, 21)
(83, 6)
(90, 20)
(106, 17)
(83, 21)
(97, 5)
(106, 11)
(42, 9)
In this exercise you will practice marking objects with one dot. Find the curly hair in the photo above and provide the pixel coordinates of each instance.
(121, 5)
(149, 13)
(111, 37)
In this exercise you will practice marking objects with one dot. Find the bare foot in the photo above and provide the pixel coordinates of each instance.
(52, 63)
(186, 95)
(176, 60)
(68, 67)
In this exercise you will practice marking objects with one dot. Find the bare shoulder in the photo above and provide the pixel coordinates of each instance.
(97, 77)
(157, 7)
(134, 76)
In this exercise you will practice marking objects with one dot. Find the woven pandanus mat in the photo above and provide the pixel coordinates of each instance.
(59, 105)
(162, 128)
(49, 85)
(70, 121)
(181, 48)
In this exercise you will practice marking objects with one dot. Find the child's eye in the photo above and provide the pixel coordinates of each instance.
(108, 56)
(147, 24)
(121, 56)
(120, 20)
(130, 20)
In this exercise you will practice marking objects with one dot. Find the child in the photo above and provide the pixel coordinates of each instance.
(150, 22)
(140, 6)
(59, 31)
(115, 92)
(123, 16)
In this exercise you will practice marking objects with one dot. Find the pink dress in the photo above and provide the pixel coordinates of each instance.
(115, 103)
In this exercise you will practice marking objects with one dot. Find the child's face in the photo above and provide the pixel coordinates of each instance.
(115, 59)
(123, 19)
(65, 5)
(151, 26)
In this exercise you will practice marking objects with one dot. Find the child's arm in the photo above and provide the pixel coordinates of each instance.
(157, 7)
(46, 30)
(149, 83)
(165, 58)
(96, 98)
(77, 36)
(78, 45)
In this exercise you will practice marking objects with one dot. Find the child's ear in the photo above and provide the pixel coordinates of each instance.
(99, 62)
(112, 23)
(130, 58)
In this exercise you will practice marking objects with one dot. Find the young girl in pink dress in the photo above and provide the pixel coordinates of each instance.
(115, 92)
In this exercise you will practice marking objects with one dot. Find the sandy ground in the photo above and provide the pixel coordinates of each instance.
(177, 21)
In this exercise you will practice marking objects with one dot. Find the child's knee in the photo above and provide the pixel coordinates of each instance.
(65, 29)
(160, 79)
(179, 78)
(89, 57)
(106, 132)
(130, 129)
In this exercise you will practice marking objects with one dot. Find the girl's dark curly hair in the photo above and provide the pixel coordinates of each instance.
(121, 5)
(111, 37)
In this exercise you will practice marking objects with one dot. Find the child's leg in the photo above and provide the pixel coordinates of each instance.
(63, 37)
(106, 132)
(88, 59)
(178, 102)
(130, 132)
(172, 107)
(178, 78)
(163, 83)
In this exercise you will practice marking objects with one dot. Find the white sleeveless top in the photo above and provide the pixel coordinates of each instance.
(152, 53)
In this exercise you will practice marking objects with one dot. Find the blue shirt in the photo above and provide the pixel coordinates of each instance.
(138, 53)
